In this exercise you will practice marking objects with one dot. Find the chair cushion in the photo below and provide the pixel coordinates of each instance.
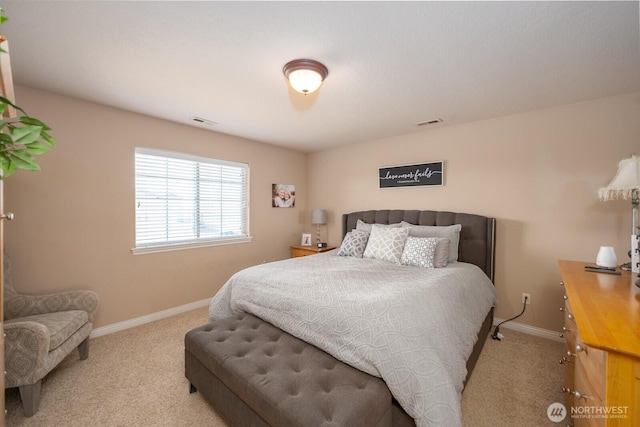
(61, 325)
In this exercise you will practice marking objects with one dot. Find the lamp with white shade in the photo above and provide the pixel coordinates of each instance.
(626, 185)
(318, 218)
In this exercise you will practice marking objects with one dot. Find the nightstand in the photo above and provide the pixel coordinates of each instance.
(298, 251)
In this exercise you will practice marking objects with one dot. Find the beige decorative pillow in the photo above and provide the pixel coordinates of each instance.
(386, 243)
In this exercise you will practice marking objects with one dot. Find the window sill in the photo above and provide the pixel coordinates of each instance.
(189, 245)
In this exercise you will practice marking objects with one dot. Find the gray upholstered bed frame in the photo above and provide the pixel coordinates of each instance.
(477, 246)
(477, 237)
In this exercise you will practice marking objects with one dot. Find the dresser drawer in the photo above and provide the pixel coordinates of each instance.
(589, 385)
(588, 399)
(569, 384)
(592, 362)
(570, 327)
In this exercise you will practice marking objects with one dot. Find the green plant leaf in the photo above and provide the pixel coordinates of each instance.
(24, 160)
(8, 169)
(6, 139)
(26, 134)
(38, 148)
(48, 138)
(21, 155)
(33, 121)
(4, 100)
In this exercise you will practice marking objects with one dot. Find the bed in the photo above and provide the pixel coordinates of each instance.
(392, 321)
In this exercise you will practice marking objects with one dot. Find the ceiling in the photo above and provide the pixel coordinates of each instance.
(391, 64)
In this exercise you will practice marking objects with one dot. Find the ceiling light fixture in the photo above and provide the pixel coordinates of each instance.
(305, 75)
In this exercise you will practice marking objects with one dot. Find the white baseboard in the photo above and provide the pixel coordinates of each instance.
(121, 326)
(531, 330)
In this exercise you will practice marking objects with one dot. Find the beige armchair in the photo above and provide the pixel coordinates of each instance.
(40, 331)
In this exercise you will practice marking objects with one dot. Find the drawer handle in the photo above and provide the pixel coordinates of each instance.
(564, 360)
(564, 297)
(561, 335)
(571, 354)
(580, 348)
(579, 395)
(576, 393)
(570, 316)
(561, 283)
(561, 308)
(564, 329)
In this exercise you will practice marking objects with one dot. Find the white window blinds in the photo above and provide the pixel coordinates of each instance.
(189, 201)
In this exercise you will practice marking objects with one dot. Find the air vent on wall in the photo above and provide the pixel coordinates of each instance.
(429, 122)
(202, 121)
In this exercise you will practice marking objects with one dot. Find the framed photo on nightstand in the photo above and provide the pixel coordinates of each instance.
(306, 240)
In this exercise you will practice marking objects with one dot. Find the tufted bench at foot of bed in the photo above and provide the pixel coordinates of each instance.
(254, 374)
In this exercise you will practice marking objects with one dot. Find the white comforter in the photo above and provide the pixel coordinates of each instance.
(413, 327)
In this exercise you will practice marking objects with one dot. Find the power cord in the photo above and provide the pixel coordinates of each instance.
(496, 332)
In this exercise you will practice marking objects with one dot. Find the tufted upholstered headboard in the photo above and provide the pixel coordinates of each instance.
(477, 237)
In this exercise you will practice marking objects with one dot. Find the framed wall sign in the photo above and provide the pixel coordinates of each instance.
(424, 174)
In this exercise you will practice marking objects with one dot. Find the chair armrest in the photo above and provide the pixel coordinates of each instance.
(28, 305)
(26, 348)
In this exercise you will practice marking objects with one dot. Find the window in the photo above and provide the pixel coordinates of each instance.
(184, 201)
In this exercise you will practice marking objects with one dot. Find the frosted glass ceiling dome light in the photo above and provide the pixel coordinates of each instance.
(305, 75)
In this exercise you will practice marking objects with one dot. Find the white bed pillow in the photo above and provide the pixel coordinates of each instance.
(361, 225)
(354, 243)
(451, 232)
(386, 243)
(420, 251)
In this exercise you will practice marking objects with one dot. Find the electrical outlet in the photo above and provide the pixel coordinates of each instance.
(527, 296)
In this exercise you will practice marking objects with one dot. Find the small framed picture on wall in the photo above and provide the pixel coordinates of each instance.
(306, 239)
(283, 195)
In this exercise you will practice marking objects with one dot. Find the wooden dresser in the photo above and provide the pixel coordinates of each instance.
(602, 331)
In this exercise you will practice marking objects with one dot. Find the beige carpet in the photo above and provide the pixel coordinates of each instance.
(136, 378)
